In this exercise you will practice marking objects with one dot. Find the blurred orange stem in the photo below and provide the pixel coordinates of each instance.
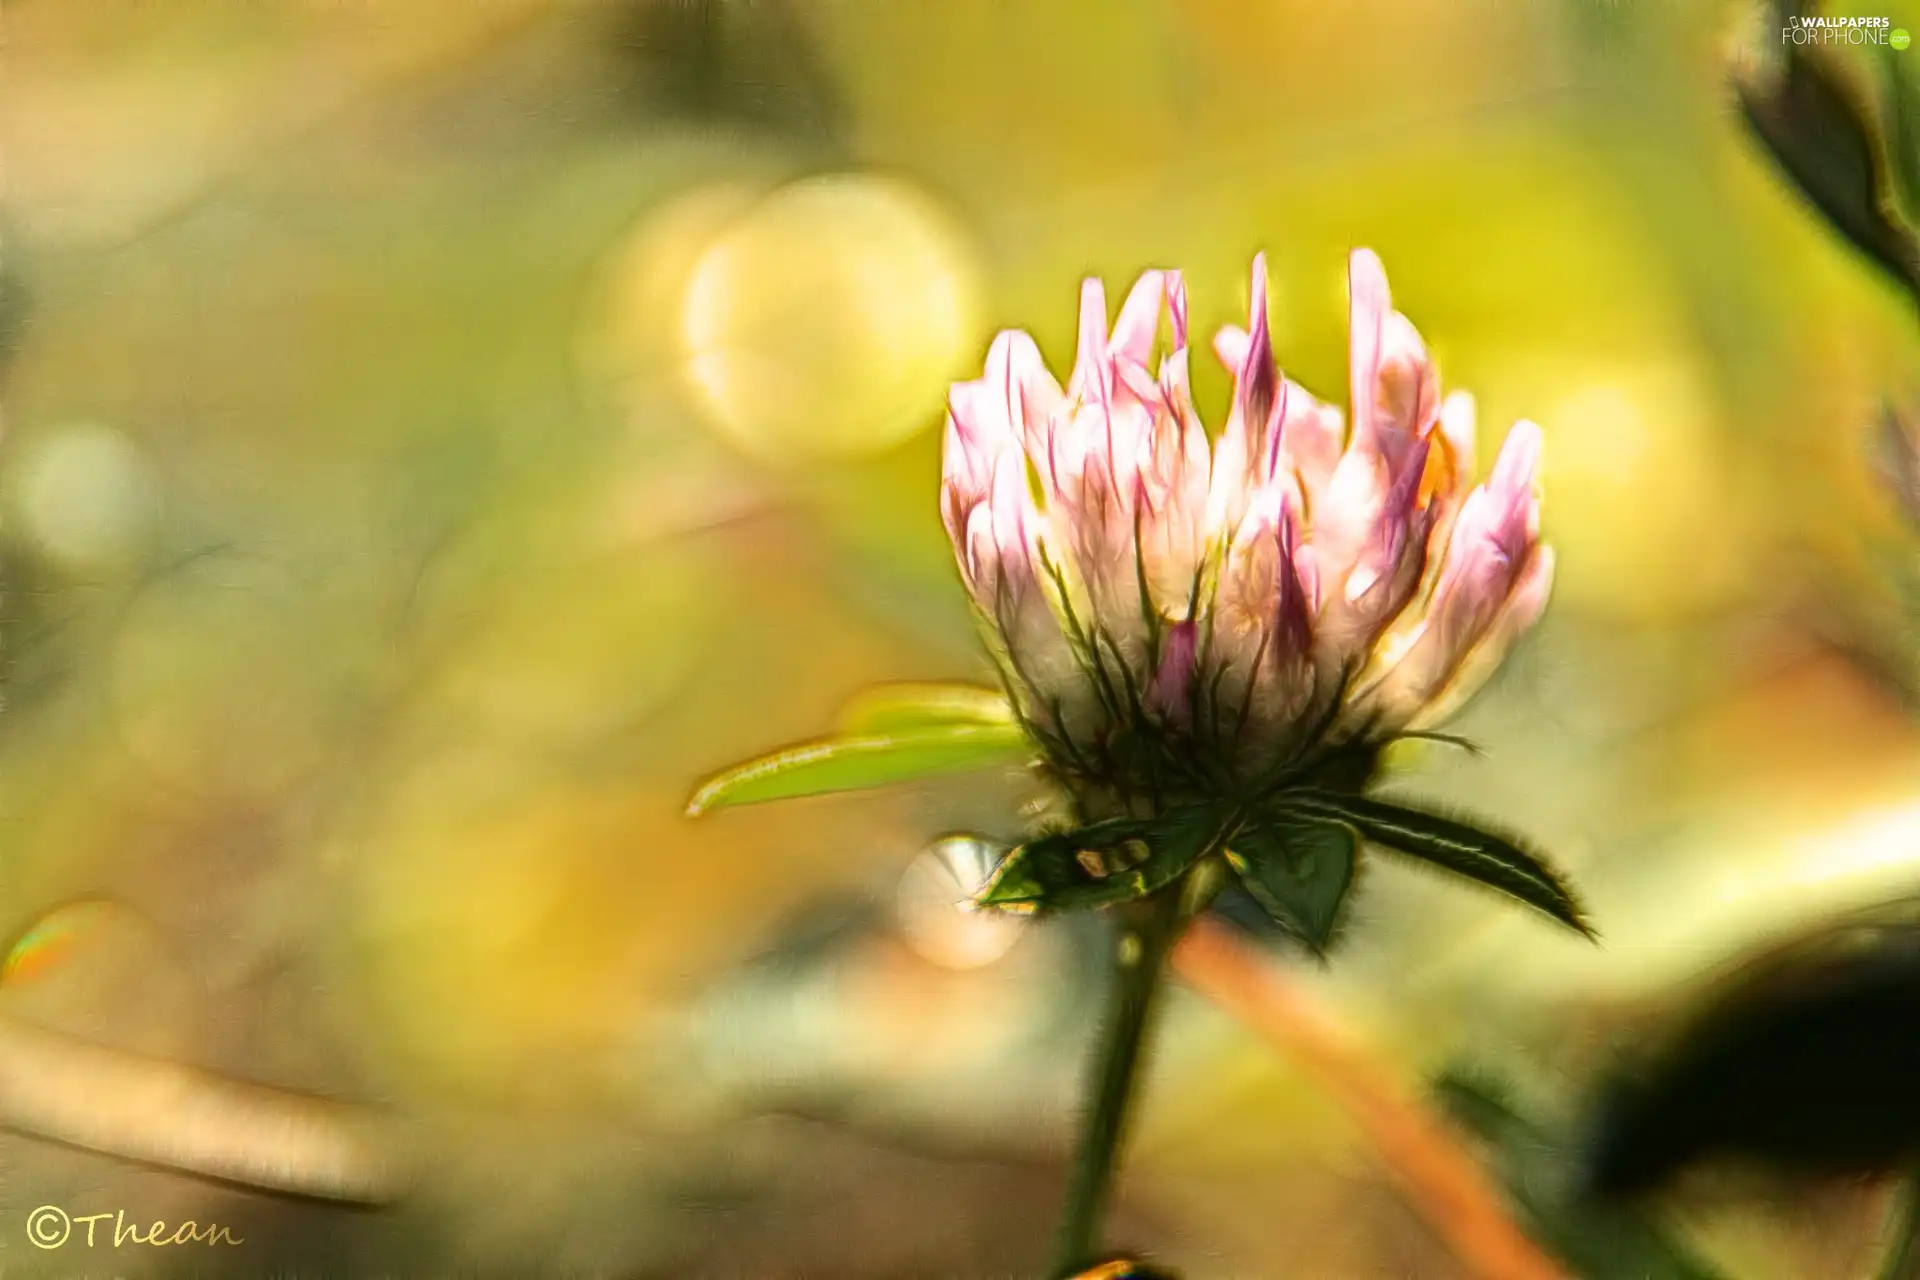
(159, 1112)
(1441, 1180)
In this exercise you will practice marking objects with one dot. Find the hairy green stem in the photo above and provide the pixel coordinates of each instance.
(1148, 929)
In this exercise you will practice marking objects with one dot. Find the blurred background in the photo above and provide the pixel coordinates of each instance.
(438, 433)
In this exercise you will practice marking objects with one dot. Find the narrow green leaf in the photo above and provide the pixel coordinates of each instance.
(1499, 862)
(896, 708)
(852, 764)
(1467, 745)
(1107, 862)
(1298, 869)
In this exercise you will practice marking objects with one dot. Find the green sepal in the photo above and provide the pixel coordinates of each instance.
(1298, 868)
(1117, 860)
(868, 760)
(897, 708)
(1497, 861)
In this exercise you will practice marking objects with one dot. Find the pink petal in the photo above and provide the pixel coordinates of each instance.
(1136, 382)
(1009, 409)
(1479, 565)
(1407, 389)
(1014, 516)
(1369, 303)
(1312, 434)
(1139, 323)
(1457, 426)
(1028, 395)
(979, 417)
(1293, 613)
(1516, 617)
(1170, 692)
(1175, 491)
(1255, 381)
(1091, 376)
(1230, 346)
(1011, 586)
(1244, 456)
(1262, 619)
(962, 483)
(976, 434)
(1518, 463)
(979, 556)
(1493, 558)
(1177, 308)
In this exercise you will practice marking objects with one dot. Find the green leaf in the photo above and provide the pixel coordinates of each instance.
(1298, 869)
(1499, 862)
(1467, 745)
(896, 708)
(1108, 862)
(1594, 1241)
(870, 760)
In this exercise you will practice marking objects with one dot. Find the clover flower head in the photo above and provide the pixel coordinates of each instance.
(1178, 616)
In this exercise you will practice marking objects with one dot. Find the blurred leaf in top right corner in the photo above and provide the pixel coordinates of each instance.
(1811, 105)
(1900, 109)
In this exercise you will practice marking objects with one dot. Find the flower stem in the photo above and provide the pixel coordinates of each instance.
(1148, 929)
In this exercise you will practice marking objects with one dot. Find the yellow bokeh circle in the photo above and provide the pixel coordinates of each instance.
(828, 320)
